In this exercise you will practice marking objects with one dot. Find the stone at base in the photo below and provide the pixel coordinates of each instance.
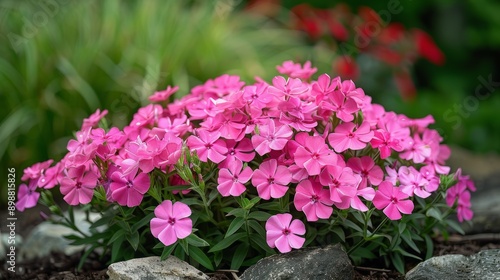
(330, 262)
(152, 268)
(485, 265)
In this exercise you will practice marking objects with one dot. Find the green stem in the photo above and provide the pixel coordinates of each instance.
(363, 241)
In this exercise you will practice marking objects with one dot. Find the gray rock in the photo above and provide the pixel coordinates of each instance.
(152, 268)
(330, 262)
(47, 237)
(485, 265)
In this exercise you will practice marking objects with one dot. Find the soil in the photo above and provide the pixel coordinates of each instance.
(59, 267)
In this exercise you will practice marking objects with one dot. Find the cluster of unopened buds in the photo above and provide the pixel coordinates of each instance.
(322, 142)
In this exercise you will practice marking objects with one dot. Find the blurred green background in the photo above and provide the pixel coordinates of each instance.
(60, 60)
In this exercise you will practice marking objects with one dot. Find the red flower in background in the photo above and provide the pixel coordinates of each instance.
(427, 48)
(366, 33)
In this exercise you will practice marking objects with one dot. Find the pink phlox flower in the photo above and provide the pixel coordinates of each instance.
(36, 170)
(169, 151)
(429, 174)
(282, 87)
(392, 200)
(27, 196)
(385, 143)
(147, 116)
(342, 183)
(178, 125)
(51, 177)
(283, 233)
(271, 179)
(272, 136)
(93, 119)
(367, 193)
(257, 95)
(438, 157)
(314, 155)
(412, 182)
(202, 109)
(295, 70)
(171, 222)
(80, 150)
(78, 185)
(106, 181)
(389, 123)
(324, 86)
(392, 175)
(460, 194)
(143, 153)
(231, 180)
(241, 150)
(366, 168)
(225, 84)
(231, 125)
(418, 150)
(350, 90)
(373, 113)
(343, 107)
(207, 145)
(128, 190)
(163, 95)
(349, 136)
(312, 199)
(420, 125)
(298, 114)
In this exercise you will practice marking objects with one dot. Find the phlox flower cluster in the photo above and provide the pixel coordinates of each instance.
(322, 142)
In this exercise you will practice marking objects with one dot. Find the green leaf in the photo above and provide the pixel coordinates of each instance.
(435, 213)
(401, 227)
(198, 255)
(226, 242)
(118, 234)
(93, 239)
(196, 241)
(116, 248)
(398, 263)
(85, 256)
(234, 226)
(257, 227)
(454, 225)
(406, 235)
(142, 222)
(218, 258)
(352, 225)
(251, 203)
(271, 206)
(310, 235)
(167, 251)
(260, 241)
(429, 247)
(71, 215)
(239, 256)
(259, 216)
(237, 212)
(407, 254)
(134, 240)
(212, 196)
(179, 252)
(104, 220)
(184, 245)
(339, 231)
(358, 216)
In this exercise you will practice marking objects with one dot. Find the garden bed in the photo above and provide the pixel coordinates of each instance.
(59, 266)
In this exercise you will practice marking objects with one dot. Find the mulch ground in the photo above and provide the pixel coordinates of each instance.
(59, 267)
